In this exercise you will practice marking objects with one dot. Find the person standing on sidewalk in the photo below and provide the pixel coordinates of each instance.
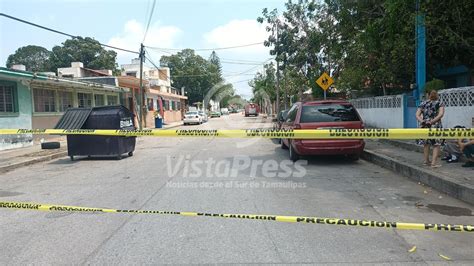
(429, 114)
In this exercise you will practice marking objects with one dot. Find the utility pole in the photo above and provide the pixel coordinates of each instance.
(277, 71)
(140, 91)
(420, 54)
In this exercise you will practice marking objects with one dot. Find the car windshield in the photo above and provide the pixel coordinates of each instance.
(328, 113)
(191, 113)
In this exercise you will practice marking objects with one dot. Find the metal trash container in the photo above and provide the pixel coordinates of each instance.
(104, 117)
(158, 122)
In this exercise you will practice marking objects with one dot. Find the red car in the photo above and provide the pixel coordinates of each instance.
(323, 115)
(252, 109)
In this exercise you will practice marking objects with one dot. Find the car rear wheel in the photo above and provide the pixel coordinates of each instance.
(283, 146)
(293, 155)
(354, 157)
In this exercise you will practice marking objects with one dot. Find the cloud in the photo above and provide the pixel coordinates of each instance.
(132, 35)
(239, 32)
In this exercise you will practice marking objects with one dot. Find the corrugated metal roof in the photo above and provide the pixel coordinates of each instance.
(74, 118)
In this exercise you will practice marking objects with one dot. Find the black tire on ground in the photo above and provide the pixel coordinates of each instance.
(293, 155)
(130, 154)
(354, 157)
(50, 145)
(282, 144)
(71, 157)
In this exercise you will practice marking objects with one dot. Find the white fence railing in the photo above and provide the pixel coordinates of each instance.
(391, 101)
(463, 96)
(389, 111)
(381, 111)
(459, 104)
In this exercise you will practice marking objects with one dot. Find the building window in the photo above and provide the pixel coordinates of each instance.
(99, 100)
(112, 100)
(7, 99)
(167, 105)
(44, 100)
(84, 100)
(178, 105)
(65, 100)
(131, 74)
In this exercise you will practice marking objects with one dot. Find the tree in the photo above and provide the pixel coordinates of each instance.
(450, 38)
(85, 50)
(191, 71)
(264, 86)
(35, 58)
(216, 67)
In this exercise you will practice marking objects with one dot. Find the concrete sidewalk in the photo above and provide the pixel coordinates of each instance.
(406, 158)
(16, 158)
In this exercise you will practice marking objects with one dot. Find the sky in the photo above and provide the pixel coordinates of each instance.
(175, 24)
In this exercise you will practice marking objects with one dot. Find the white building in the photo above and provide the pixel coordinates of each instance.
(160, 77)
(77, 70)
(133, 69)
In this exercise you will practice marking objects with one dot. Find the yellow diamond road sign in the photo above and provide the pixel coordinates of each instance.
(325, 81)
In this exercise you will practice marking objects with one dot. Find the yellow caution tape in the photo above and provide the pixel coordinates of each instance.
(392, 133)
(277, 218)
(444, 257)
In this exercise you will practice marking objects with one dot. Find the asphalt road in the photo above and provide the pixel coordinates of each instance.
(161, 176)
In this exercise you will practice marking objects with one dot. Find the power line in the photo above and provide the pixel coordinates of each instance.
(240, 60)
(240, 63)
(205, 75)
(149, 20)
(207, 49)
(63, 33)
(240, 81)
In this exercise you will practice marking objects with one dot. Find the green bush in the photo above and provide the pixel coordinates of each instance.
(434, 85)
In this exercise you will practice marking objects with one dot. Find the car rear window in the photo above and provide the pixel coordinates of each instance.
(328, 113)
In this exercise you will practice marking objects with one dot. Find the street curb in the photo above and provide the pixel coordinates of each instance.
(163, 128)
(403, 145)
(453, 188)
(7, 168)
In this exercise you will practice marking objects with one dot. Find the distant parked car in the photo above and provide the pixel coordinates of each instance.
(224, 111)
(204, 116)
(215, 114)
(252, 109)
(323, 115)
(192, 117)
